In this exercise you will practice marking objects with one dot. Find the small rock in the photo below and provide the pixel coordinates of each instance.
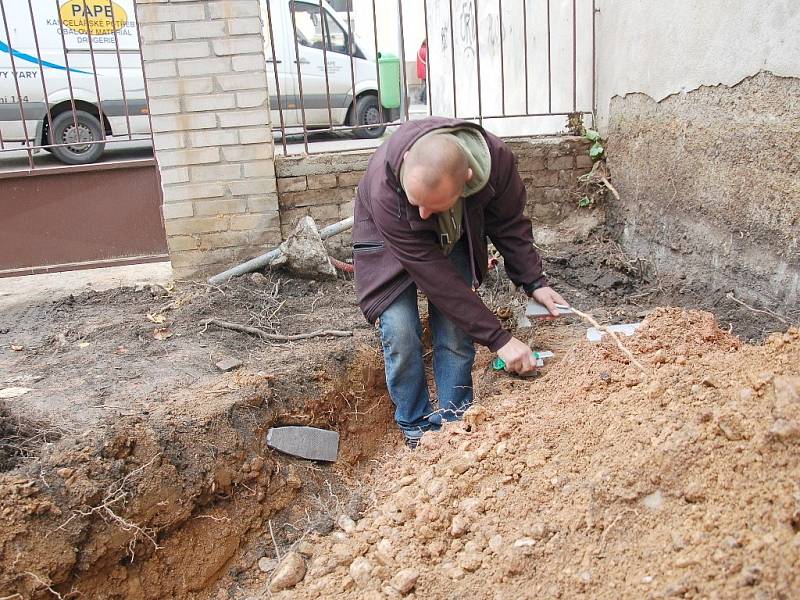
(694, 493)
(470, 561)
(496, 543)
(654, 501)
(538, 531)
(460, 464)
(459, 526)
(647, 579)
(474, 416)
(13, 392)
(452, 570)
(524, 546)
(384, 552)
(361, 571)
(785, 430)
(258, 279)
(305, 548)
(346, 524)
(585, 576)
(751, 575)
(405, 580)
(289, 573)
(229, 364)
(267, 565)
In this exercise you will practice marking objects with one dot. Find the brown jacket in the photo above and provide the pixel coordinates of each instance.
(393, 247)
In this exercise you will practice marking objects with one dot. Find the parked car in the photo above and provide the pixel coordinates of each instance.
(322, 40)
(65, 89)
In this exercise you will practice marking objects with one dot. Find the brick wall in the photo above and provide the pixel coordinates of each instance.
(206, 76)
(323, 186)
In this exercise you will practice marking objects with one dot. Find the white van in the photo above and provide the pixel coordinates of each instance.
(324, 49)
(94, 87)
(95, 90)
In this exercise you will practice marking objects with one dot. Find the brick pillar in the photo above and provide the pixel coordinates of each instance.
(206, 76)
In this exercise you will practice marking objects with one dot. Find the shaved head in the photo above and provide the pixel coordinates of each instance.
(436, 169)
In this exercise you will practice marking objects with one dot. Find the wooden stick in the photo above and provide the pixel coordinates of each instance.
(611, 188)
(758, 310)
(275, 337)
(590, 319)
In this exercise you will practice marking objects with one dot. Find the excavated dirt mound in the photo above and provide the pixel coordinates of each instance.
(594, 481)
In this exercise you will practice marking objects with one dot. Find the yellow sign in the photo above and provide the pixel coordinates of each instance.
(101, 17)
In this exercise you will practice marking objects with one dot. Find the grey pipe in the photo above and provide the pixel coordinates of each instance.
(259, 262)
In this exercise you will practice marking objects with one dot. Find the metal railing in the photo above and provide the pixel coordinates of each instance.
(78, 81)
(490, 61)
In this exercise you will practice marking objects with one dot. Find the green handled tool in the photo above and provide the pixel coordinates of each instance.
(498, 364)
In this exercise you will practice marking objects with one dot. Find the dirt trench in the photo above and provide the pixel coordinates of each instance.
(135, 469)
(165, 486)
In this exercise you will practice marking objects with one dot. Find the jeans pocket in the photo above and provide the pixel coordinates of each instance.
(361, 247)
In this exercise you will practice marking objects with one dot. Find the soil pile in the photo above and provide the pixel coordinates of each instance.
(595, 480)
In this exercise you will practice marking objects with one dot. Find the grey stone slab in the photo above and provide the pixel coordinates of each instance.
(534, 309)
(229, 364)
(305, 442)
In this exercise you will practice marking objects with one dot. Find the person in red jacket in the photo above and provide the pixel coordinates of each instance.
(422, 69)
(431, 196)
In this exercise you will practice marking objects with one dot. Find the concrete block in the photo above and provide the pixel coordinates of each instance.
(541, 179)
(189, 67)
(215, 173)
(242, 81)
(291, 184)
(183, 122)
(351, 178)
(160, 32)
(249, 62)
(190, 156)
(259, 168)
(253, 152)
(180, 193)
(176, 50)
(164, 106)
(229, 9)
(254, 221)
(530, 163)
(227, 206)
(178, 210)
(199, 29)
(196, 225)
(211, 102)
(225, 239)
(256, 135)
(168, 141)
(305, 442)
(238, 46)
(324, 213)
(243, 26)
(243, 118)
(561, 162)
(262, 203)
(180, 243)
(318, 182)
(160, 69)
(583, 161)
(212, 137)
(261, 185)
(251, 99)
(174, 175)
(166, 13)
(180, 87)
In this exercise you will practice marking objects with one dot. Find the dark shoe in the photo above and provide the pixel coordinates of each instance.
(412, 442)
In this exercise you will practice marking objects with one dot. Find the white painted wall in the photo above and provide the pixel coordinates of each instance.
(664, 47)
(503, 91)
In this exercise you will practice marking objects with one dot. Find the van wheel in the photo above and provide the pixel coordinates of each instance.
(368, 112)
(76, 130)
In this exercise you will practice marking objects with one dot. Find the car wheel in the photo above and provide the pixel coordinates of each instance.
(368, 112)
(75, 130)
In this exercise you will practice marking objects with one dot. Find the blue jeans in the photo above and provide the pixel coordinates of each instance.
(453, 356)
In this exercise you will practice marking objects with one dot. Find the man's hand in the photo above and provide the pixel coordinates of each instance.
(548, 297)
(518, 357)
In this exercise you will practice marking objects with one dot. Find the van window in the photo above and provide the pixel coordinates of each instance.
(313, 33)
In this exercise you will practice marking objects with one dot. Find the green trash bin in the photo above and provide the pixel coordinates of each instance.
(389, 73)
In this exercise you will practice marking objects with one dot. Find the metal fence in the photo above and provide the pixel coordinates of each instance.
(520, 67)
(71, 80)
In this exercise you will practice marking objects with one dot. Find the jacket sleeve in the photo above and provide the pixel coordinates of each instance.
(436, 276)
(509, 228)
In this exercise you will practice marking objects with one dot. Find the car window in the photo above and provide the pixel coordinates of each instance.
(312, 32)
